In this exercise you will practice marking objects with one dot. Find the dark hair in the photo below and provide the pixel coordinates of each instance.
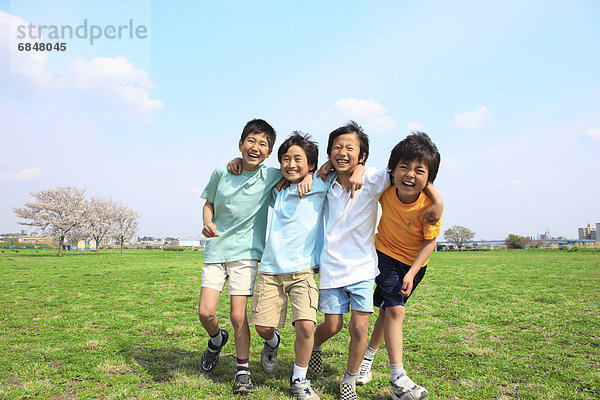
(351, 127)
(302, 140)
(416, 146)
(260, 126)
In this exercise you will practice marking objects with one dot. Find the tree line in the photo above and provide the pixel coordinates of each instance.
(64, 212)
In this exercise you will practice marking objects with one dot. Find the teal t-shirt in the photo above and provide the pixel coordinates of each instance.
(241, 205)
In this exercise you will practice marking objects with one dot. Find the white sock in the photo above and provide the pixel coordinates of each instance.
(317, 347)
(274, 341)
(370, 354)
(349, 377)
(217, 340)
(397, 370)
(299, 373)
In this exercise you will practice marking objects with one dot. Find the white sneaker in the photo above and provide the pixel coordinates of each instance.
(364, 375)
(404, 388)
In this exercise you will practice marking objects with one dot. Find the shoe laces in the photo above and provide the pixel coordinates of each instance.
(363, 368)
(405, 383)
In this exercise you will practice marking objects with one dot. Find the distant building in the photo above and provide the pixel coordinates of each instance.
(589, 232)
(188, 242)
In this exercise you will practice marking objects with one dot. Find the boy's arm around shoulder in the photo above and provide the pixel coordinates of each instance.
(434, 212)
(424, 254)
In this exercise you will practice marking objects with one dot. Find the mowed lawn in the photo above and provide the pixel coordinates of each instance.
(520, 324)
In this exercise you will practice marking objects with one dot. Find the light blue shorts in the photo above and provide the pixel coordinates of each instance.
(357, 296)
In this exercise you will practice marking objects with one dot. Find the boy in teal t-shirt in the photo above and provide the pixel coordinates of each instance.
(235, 219)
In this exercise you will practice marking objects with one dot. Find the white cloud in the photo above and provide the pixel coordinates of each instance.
(23, 175)
(595, 133)
(101, 70)
(515, 182)
(28, 63)
(370, 114)
(118, 79)
(415, 126)
(113, 84)
(472, 119)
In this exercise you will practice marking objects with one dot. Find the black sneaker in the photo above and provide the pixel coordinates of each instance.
(210, 357)
(243, 382)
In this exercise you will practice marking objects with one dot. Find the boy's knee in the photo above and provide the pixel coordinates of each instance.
(359, 329)
(396, 312)
(237, 318)
(304, 329)
(264, 331)
(333, 327)
(205, 314)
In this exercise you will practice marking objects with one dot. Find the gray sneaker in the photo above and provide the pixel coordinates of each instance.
(268, 357)
(210, 357)
(364, 375)
(243, 382)
(301, 390)
(348, 391)
(315, 365)
(404, 388)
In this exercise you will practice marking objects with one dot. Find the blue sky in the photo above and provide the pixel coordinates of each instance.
(508, 90)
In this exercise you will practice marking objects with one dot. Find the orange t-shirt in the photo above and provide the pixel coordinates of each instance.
(402, 231)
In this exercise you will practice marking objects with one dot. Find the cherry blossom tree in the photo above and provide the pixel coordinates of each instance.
(101, 219)
(55, 211)
(126, 224)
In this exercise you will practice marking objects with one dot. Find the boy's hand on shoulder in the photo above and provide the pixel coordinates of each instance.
(356, 181)
(210, 230)
(282, 184)
(305, 184)
(235, 166)
(407, 284)
(324, 170)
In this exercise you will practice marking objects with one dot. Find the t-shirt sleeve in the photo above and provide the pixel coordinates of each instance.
(273, 176)
(377, 179)
(431, 231)
(274, 194)
(210, 191)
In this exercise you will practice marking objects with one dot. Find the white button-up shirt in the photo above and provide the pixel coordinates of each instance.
(349, 254)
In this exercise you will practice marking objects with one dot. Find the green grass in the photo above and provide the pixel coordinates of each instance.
(494, 325)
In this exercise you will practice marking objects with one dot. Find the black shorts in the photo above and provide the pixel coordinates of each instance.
(389, 281)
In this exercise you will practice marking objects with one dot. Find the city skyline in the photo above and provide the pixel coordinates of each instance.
(509, 92)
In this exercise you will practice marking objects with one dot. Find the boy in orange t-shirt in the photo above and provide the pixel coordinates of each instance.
(404, 242)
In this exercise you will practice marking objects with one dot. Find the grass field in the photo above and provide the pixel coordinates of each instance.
(521, 324)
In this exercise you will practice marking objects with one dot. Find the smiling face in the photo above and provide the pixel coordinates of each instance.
(345, 153)
(410, 178)
(254, 149)
(294, 164)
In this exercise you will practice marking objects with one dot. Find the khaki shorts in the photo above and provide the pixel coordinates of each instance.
(241, 275)
(269, 305)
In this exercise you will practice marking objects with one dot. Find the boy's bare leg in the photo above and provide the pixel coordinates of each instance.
(359, 330)
(239, 320)
(330, 327)
(265, 332)
(207, 310)
(377, 335)
(303, 345)
(394, 316)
